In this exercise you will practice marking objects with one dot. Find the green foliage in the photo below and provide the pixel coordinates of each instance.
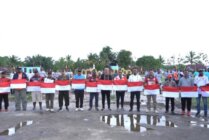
(148, 62)
(124, 58)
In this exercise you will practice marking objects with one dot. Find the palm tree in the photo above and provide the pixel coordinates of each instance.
(192, 58)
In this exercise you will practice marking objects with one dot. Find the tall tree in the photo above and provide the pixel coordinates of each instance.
(148, 62)
(192, 58)
(124, 58)
(106, 55)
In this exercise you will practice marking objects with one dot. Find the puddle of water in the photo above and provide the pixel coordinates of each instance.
(195, 123)
(136, 122)
(11, 131)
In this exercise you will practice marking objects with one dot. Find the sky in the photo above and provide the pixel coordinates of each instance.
(57, 28)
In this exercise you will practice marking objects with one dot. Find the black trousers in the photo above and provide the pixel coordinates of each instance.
(167, 100)
(92, 95)
(6, 101)
(120, 95)
(79, 95)
(137, 94)
(63, 95)
(107, 94)
(186, 102)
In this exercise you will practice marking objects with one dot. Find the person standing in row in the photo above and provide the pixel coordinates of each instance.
(200, 81)
(4, 96)
(151, 80)
(63, 94)
(106, 76)
(135, 77)
(20, 94)
(120, 94)
(186, 81)
(93, 78)
(49, 96)
(36, 95)
(170, 83)
(79, 93)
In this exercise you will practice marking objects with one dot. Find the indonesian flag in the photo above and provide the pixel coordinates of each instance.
(62, 85)
(18, 84)
(120, 85)
(47, 88)
(171, 92)
(4, 87)
(189, 92)
(78, 84)
(135, 86)
(152, 89)
(105, 85)
(33, 86)
(205, 91)
(91, 87)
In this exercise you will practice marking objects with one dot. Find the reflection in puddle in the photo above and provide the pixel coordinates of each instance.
(137, 123)
(12, 130)
(195, 123)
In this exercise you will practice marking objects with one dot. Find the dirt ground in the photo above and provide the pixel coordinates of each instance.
(89, 126)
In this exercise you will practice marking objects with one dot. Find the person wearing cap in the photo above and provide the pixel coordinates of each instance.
(170, 83)
(20, 94)
(49, 96)
(106, 76)
(79, 93)
(4, 96)
(200, 81)
(36, 95)
(63, 95)
(186, 81)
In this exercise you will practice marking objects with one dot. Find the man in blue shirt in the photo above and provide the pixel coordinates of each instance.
(79, 93)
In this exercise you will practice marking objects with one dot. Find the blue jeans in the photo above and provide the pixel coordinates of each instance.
(205, 102)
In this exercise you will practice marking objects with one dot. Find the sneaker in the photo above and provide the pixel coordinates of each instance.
(183, 113)
(188, 113)
(166, 112)
(97, 109)
(60, 110)
(102, 109)
(77, 109)
(52, 110)
(109, 109)
(47, 109)
(173, 113)
(130, 110)
(81, 109)
(67, 108)
(197, 114)
(89, 109)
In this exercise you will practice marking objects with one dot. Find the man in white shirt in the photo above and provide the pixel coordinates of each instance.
(199, 81)
(135, 77)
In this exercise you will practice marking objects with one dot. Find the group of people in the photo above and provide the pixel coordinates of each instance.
(151, 78)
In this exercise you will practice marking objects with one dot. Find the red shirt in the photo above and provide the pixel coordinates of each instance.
(150, 81)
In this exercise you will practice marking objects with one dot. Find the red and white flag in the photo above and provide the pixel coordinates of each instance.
(170, 92)
(152, 89)
(18, 84)
(63, 85)
(189, 92)
(105, 85)
(205, 91)
(4, 87)
(33, 87)
(78, 84)
(47, 88)
(91, 87)
(135, 86)
(120, 85)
